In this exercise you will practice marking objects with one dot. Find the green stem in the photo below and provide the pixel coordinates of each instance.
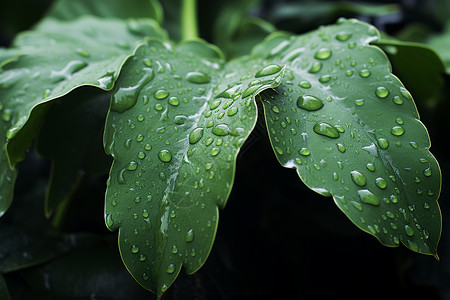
(189, 20)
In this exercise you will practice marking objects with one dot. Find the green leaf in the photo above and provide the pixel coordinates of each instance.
(176, 124)
(69, 9)
(24, 248)
(49, 62)
(68, 142)
(418, 66)
(352, 131)
(88, 51)
(441, 43)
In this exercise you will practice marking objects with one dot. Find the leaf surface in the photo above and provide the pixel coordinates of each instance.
(69, 10)
(176, 124)
(58, 57)
(49, 62)
(352, 131)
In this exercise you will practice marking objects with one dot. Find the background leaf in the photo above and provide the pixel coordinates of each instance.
(44, 73)
(72, 144)
(70, 10)
(176, 124)
(418, 66)
(37, 74)
(351, 130)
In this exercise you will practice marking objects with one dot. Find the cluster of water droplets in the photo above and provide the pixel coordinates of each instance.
(291, 130)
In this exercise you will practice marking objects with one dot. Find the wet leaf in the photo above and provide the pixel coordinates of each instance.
(70, 10)
(418, 66)
(352, 131)
(176, 124)
(49, 62)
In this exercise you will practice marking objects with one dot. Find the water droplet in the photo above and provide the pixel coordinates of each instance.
(189, 235)
(356, 205)
(82, 52)
(268, 70)
(135, 249)
(171, 269)
(132, 165)
(215, 104)
(409, 230)
(304, 151)
(323, 53)
(326, 129)
(109, 221)
(341, 147)
(279, 150)
(343, 36)
(160, 94)
(232, 111)
(305, 84)
(383, 143)
(364, 73)
(381, 92)
(197, 77)
(275, 109)
(174, 249)
(196, 135)
(381, 183)
(397, 100)
(221, 130)
(367, 197)
(126, 97)
(316, 67)
(142, 257)
(214, 151)
(310, 103)
(324, 78)
(359, 102)
(370, 167)
(165, 156)
(174, 101)
(397, 130)
(358, 178)
(427, 172)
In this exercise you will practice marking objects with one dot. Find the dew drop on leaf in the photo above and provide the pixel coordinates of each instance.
(310, 103)
(323, 53)
(165, 156)
(221, 129)
(343, 36)
(134, 249)
(160, 94)
(326, 129)
(304, 151)
(381, 183)
(189, 236)
(381, 92)
(197, 77)
(132, 165)
(170, 269)
(358, 178)
(397, 130)
(174, 101)
(368, 197)
(268, 70)
(196, 135)
(305, 84)
(316, 67)
(383, 143)
(409, 230)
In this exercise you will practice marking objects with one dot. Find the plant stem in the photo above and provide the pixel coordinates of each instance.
(189, 20)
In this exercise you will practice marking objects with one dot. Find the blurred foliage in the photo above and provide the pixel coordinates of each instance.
(256, 255)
